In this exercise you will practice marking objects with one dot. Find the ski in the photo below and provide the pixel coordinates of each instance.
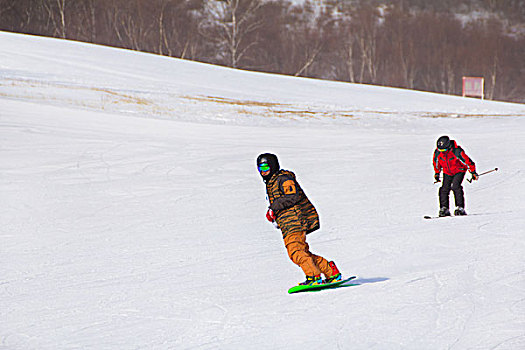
(442, 217)
(318, 287)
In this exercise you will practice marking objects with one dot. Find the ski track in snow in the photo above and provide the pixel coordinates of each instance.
(132, 215)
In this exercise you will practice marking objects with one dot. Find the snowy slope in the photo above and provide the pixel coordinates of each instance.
(132, 215)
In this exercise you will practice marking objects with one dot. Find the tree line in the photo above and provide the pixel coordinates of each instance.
(402, 43)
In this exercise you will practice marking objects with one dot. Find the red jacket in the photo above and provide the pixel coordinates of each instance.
(453, 161)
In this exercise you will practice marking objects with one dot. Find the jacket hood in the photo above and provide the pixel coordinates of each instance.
(272, 161)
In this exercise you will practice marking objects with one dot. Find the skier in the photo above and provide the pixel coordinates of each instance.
(450, 157)
(295, 215)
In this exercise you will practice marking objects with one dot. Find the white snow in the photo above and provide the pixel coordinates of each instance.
(132, 214)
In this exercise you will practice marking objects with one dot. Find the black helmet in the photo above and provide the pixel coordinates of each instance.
(443, 143)
(265, 162)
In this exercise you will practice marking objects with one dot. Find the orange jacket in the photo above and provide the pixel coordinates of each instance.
(294, 211)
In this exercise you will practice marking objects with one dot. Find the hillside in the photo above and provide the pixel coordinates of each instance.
(133, 213)
(416, 44)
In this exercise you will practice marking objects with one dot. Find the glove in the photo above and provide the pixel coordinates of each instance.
(475, 175)
(436, 177)
(270, 216)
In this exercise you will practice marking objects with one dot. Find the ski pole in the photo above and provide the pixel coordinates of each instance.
(486, 172)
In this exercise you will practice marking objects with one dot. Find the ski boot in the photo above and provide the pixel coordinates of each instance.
(336, 275)
(444, 212)
(460, 211)
(312, 281)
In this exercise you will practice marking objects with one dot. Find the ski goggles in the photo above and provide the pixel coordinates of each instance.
(264, 167)
(442, 149)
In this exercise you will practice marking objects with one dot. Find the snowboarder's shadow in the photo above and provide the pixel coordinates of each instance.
(360, 281)
(353, 283)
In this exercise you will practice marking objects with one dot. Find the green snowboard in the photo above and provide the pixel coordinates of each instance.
(317, 287)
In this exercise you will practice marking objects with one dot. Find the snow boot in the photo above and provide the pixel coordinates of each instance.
(312, 281)
(444, 212)
(336, 275)
(460, 211)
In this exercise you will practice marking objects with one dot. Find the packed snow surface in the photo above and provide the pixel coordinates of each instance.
(132, 213)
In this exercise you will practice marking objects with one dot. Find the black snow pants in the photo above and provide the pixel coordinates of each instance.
(452, 183)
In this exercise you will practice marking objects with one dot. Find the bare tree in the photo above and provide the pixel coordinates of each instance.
(230, 23)
(61, 5)
(349, 43)
(399, 38)
(366, 23)
(132, 24)
(302, 41)
(178, 22)
(91, 10)
(56, 14)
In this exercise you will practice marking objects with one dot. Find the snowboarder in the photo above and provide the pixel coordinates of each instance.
(454, 162)
(295, 215)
